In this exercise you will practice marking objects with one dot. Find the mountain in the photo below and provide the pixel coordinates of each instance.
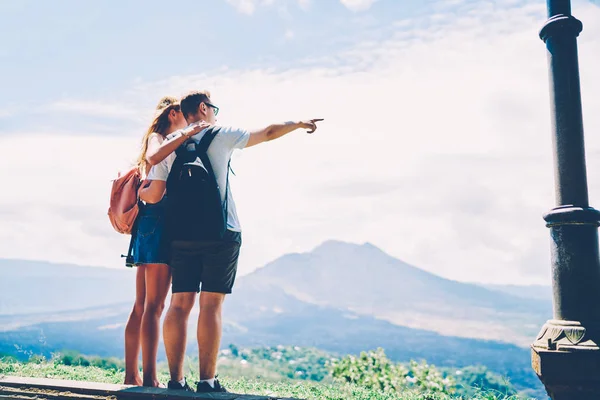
(367, 281)
(360, 279)
(39, 286)
(99, 331)
(536, 292)
(340, 297)
(271, 319)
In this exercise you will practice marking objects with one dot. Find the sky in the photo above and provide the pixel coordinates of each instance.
(436, 144)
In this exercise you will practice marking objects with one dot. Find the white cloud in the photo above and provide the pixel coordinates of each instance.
(304, 4)
(249, 6)
(244, 6)
(6, 113)
(358, 5)
(56, 208)
(94, 109)
(436, 147)
(289, 34)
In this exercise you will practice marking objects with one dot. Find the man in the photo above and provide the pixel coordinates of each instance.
(214, 264)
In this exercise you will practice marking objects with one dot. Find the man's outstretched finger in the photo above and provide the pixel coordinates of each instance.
(313, 124)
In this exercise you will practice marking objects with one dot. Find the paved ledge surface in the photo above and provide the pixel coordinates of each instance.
(20, 388)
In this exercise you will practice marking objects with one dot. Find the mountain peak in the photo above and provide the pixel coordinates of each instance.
(338, 245)
(340, 250)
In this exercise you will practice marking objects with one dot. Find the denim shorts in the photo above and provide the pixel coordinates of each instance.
(150, 245)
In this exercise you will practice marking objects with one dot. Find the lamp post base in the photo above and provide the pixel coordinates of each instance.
(566, 358)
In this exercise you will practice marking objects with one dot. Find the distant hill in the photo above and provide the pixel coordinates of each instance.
(39, 286)
(339, 297)
(365, 280)
(536, 292)
(361, 279)
(99, 331)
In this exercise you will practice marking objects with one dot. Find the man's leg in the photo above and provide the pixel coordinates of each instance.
(218, 277)
(186, 271)
(209, 332)
(175, 332)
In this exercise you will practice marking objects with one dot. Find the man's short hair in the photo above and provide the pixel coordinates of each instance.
(191, 101)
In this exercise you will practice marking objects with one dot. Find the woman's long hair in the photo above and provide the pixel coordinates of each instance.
(160, 125)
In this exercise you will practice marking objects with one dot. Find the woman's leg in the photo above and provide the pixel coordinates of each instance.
(132, 331)
(158, 281)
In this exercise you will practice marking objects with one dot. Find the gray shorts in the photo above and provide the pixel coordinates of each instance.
(210, 264)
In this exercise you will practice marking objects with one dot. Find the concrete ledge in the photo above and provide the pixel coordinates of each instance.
(13, 387)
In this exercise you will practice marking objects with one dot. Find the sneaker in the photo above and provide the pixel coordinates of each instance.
(204, 387)
(174, 385)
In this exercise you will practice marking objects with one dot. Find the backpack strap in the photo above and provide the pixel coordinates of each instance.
(201, 151)
(227, 193)
(206, 140)
(129, 256)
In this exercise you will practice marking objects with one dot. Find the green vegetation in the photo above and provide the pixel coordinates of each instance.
(71, 357)
(374, 370)
(471, 380)
(279, 362)
(295, 372)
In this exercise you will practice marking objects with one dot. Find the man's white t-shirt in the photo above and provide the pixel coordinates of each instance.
(219, 153)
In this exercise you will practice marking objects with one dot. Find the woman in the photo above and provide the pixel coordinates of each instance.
(150, 253)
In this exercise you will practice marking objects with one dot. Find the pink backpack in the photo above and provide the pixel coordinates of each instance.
(123, 209)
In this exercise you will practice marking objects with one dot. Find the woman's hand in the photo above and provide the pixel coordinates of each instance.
(195, 128)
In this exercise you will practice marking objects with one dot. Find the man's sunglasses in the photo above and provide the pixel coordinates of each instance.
(213, 107)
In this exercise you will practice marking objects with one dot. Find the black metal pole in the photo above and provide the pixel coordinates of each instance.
(565, 354)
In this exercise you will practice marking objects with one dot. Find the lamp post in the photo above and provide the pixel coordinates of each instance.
(566, 352)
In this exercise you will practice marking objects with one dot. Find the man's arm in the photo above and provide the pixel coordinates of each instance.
(276, 131)
(159, 151)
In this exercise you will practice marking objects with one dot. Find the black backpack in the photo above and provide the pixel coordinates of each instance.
(194, 209)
